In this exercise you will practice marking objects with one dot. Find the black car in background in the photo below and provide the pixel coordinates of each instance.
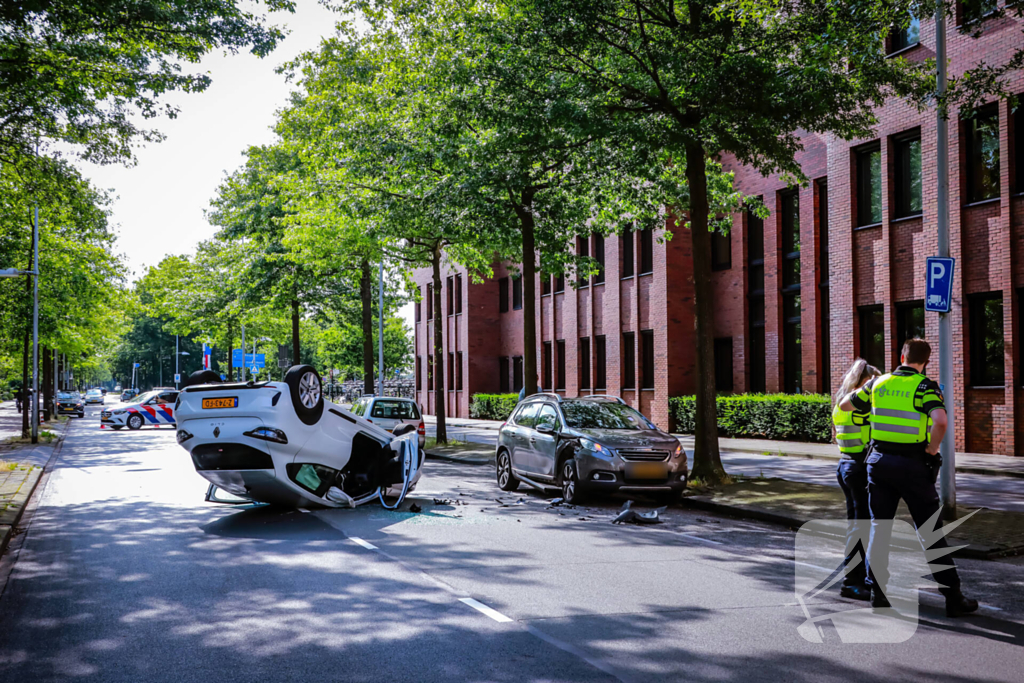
(70, 404)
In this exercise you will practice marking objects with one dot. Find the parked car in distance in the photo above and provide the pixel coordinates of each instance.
(389, 413)
(128, 394)
(93, 396)
(70, 404)
(588, 445)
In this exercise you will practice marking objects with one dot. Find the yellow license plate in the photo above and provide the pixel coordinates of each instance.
(646, 470)
(230, 402)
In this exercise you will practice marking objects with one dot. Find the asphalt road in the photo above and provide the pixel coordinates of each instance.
(974, 490)
(125, 574)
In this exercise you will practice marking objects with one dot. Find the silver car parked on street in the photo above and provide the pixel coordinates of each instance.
(389, 413)
(587, 445)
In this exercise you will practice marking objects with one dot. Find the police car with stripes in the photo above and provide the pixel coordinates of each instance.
(153, 408)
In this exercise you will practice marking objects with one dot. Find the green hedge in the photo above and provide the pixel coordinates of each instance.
(492, 406)
(785, 417)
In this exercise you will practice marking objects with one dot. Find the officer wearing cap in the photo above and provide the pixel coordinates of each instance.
(908, 421)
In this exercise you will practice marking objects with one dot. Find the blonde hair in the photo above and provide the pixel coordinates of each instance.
(858, 373)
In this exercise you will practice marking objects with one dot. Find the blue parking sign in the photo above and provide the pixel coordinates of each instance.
(939, 284)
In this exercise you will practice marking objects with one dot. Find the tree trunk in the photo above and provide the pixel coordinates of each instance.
(295, 332)
(440, 396)
(25, 401)
(47, 356)
(707, 461)
(366, 298)
(526, 220)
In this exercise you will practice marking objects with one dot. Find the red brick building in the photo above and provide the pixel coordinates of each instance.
(835, 272)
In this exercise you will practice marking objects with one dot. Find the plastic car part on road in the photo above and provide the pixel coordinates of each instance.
(409, 468)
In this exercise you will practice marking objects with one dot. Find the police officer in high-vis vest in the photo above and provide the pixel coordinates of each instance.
(853, 436)
(908, 421)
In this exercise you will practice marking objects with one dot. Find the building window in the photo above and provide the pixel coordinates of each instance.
(646, 251)
(449, 290)
(1018, 133)
(823, 288)
(583, 249)
(982, 135)
(545, 284)
(627, 254)
(647, 358)
(451, 370)
(905, 36)
(755, 300)
(419, 312)
(600, 360)
(872, 335)
(986, 311)
(907, 151)
(430, 372)
(628, 361)
(909, 325)
(458, 370)
(721, 250)
(976, 10)
(503, 295)
(723, 364)
(869, 186)
(503, 375)
(584, 362)
(792, 357)
(517, 293)
(559, 283)
(517, 373)
(546, 365)
(430, 302)
(419, 363)
(599, 257)
(560, 378)
(458, 294)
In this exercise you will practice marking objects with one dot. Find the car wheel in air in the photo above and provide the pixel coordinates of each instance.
(134, 422)
(307, 393)
(571, 491)
(202, 377)
(506, 479)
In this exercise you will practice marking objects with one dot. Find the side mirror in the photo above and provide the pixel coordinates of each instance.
(546, 429)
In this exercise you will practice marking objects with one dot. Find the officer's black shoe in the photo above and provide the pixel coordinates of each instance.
(879, 601)
(957, 605)
(855, 592)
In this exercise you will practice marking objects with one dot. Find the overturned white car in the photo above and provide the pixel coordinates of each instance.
(282, 443)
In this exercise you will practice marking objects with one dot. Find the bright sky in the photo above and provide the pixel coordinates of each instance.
(159, 202)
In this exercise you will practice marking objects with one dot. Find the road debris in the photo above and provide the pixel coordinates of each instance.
(415, 508)
(627, 515)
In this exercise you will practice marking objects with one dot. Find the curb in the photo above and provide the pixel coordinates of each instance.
(8, 533)
(453, 458)
(795, 523)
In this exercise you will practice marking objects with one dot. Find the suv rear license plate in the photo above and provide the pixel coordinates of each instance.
(646, 470)
(230, 402)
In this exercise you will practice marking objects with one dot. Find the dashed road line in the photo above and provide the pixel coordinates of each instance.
(365, 544)
(484, 609)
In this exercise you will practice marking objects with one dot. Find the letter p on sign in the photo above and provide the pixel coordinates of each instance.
(939, 284)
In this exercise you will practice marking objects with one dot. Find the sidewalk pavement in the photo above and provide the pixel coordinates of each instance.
(966, 463)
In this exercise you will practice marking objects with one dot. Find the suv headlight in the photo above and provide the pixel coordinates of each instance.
(591, 445)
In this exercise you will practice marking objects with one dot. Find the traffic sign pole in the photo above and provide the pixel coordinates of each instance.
(947, 474)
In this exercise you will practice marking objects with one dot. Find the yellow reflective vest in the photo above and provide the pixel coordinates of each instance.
(853, 431)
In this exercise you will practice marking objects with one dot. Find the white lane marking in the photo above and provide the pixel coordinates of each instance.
(484, 609)
(359, 541)
(698, 538)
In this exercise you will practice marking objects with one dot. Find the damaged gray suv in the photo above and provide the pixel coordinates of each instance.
(587, 445)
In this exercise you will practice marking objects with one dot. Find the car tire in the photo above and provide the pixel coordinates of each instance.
(506, 478)
(201, 377)
(571, 490)
(134, 422)
(307, 393)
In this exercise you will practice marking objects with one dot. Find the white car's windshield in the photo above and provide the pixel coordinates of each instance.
(93, 392)
(65, 396)
(145, 397)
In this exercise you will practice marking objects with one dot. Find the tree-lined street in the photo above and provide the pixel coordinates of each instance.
(125, 574)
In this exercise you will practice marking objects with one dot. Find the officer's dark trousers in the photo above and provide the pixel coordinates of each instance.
(853, 479)
(891, 477)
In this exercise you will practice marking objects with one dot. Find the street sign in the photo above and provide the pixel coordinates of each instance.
(258, 360)
(939, 284)
(138, 364)
(177, 377)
